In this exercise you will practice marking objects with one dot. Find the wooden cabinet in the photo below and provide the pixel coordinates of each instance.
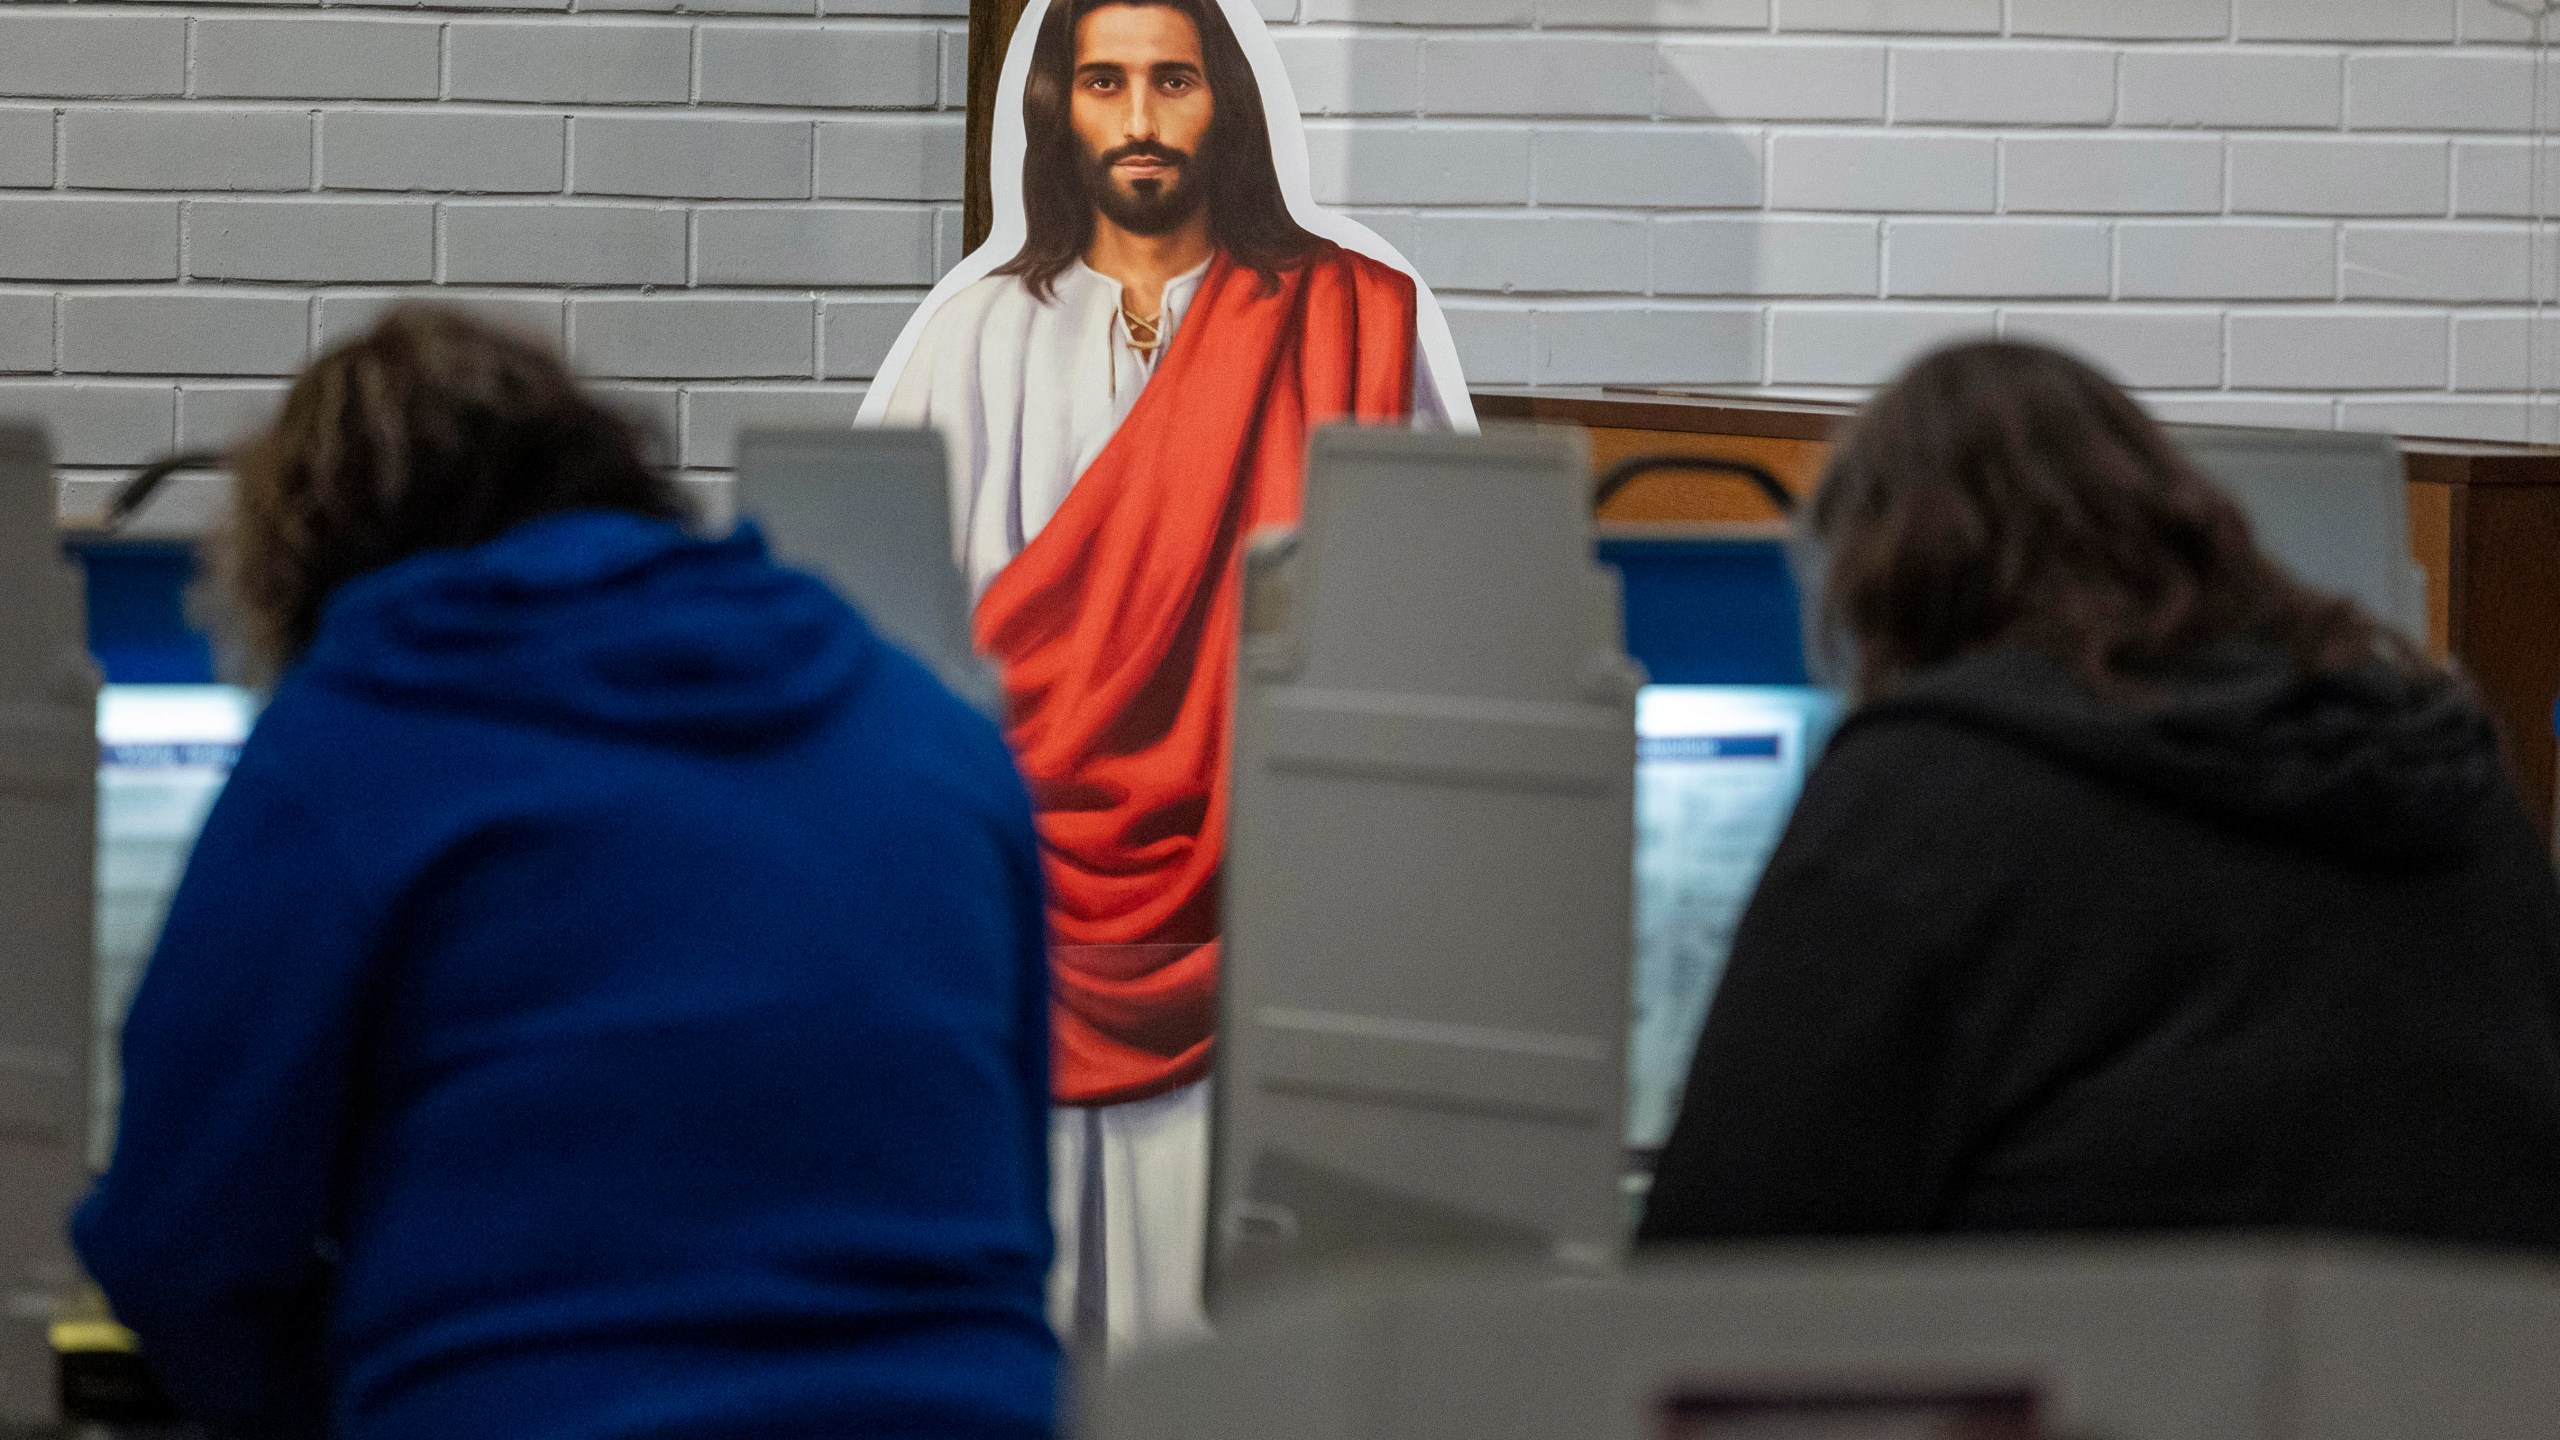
(2484, 523)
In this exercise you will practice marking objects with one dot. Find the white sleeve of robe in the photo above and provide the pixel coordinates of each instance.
(1025, 394)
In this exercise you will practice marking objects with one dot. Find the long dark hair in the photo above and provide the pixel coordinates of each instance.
(2004, 494)
(1248, 216)
(431, 430)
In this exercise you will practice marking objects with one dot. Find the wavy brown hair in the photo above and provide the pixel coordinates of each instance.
(430, 431)
(1248, 215)
(2007, 494)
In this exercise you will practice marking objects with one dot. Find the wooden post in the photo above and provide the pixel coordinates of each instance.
(991, 25)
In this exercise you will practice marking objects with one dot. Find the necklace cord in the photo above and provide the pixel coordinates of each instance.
(1146, 343)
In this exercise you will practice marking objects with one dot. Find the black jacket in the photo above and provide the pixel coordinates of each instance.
(2274, 953)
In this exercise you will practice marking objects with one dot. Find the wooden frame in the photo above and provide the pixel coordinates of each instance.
(991, 25)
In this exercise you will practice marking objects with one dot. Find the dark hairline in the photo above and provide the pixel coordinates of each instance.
(1076, 65)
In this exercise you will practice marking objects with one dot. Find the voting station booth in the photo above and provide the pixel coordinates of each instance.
(2482, 521)
(1425, 1112)
(1432, 1014)
(1504, 776)
(2210, 1340)
(48, 810)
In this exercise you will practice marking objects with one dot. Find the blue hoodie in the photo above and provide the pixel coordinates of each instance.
(606, 1002)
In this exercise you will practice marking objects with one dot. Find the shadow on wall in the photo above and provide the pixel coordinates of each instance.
(1617, 239)
(1624, 198)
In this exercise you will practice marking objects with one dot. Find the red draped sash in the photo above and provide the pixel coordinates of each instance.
(1116, 628)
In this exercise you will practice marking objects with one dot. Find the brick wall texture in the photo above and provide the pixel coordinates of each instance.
(2302, 212)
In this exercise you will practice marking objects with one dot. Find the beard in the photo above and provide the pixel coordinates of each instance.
(1148, 207)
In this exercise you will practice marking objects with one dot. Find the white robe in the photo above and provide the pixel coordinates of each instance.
(1026, 395)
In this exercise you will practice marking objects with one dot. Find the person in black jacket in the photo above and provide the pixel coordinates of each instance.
(2144, 889)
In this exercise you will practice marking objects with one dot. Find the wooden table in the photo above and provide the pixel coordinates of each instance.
(2484, 523)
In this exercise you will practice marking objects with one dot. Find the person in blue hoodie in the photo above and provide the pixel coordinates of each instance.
(608, 1001)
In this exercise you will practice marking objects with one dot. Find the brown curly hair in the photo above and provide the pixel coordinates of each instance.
(431, 430)
(2008, 494)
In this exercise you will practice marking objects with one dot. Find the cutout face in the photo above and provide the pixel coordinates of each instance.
(1152, 93)
(1143, 111)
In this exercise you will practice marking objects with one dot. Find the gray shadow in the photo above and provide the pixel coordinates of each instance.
(1620, 239)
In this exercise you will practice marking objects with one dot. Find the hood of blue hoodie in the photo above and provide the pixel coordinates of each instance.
(605, 622)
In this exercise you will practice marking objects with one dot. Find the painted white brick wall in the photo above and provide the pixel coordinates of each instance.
(2276, 211)
(2308, 212)
(721, 209)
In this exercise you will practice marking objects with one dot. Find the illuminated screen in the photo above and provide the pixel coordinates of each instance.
(1718, 769)
(163, 753)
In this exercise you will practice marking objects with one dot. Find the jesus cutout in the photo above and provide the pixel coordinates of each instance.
(1126, 375)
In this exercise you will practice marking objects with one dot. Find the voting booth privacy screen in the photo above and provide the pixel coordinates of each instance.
(2159, 1338)
(48, 763)
(1423, 1010)
(1726, 733)
(1718, 763)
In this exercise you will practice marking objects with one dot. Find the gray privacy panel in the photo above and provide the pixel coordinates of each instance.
(48, 889)
(869, 511)
(2156, 1340)
(2332, 508)
(1424, 988)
